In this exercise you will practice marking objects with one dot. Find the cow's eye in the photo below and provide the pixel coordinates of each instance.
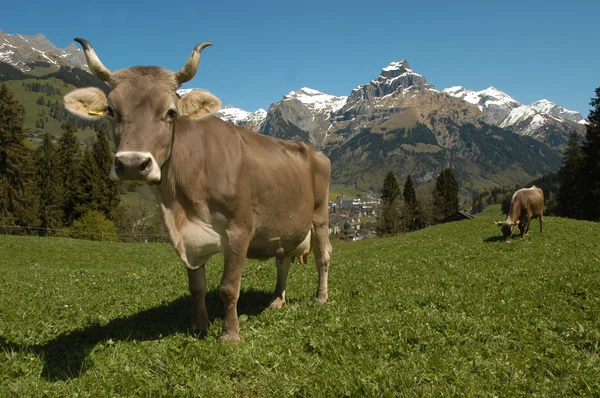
(171, 113)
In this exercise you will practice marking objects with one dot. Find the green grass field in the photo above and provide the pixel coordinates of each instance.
(494, 211)
(451, 310)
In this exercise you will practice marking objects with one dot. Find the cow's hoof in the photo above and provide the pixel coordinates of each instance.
(322, 298)
(230, 339)
(199, 333)
(277, 303)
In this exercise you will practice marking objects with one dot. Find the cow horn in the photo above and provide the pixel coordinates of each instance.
(94, 63)
(191, 66)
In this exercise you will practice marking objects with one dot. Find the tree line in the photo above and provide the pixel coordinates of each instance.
(578, 193)
(401, 211)
(56, 185)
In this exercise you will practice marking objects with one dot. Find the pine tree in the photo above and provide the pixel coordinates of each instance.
(590, 182)
(108, 189)
(570, 174)
(389, 216)
(69, 155)
(88, 195)
(445, 195)
(412, 216)
(48, 177)
(18, 196)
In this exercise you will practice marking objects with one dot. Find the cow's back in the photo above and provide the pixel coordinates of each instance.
(527, 200)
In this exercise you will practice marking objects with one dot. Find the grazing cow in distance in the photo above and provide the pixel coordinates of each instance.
(221, 188)
(525, 205)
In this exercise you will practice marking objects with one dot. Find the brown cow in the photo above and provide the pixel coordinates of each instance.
(526, 204)
(221, 188)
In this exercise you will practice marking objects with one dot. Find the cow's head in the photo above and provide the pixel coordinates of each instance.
(143, 108)
(507, 229)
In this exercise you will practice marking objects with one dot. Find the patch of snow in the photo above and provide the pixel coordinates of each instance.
(238, 116)
(6, 56)
(517, 115)
(484, 98)
(316, 100)
(396, 65)
(44, 55)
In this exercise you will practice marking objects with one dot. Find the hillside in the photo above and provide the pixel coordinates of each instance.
(40, 91)
(43, 108)
(478, 156)
(450, 310)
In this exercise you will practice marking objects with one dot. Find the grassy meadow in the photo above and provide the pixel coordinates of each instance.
(451, 310)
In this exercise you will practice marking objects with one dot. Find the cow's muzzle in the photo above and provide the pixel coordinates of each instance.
(135, 166)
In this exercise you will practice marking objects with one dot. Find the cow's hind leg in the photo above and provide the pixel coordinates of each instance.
(322, 249)
(541, 224)
(283, 268)
(197, 284)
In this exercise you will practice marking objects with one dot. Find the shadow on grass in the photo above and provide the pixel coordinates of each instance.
(64, 356)
(493, 239)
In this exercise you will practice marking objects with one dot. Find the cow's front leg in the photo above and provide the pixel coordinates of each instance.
(283, 268)
(522, 229)
(197, 284)
(525, 230)
(235, 256)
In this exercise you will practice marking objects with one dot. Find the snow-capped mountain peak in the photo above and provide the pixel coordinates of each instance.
(397, 65)
(496, 104)
(504, 111)
(483, 98)
(546, 107)
(316, 100)
(239, 116)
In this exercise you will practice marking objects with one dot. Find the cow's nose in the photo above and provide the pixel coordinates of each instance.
(135, 166)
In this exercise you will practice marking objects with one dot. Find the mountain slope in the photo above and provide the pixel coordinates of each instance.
(308, 111)
(27, 53)
(481, 154)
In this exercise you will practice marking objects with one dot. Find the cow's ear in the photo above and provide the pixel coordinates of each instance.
(87, 103)
(198, 104)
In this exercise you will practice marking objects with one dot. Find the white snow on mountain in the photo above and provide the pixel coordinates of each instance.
(550, 108)
(504, 111)
(315, 100)
(491, 96)
(239, 116)
(395, 65)
(44, 55)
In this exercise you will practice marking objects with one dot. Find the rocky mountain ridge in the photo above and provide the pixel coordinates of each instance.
(400, 93)
(25, 52)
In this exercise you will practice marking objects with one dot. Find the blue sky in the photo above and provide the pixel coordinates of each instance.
(264, 49)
